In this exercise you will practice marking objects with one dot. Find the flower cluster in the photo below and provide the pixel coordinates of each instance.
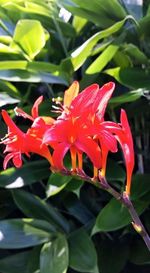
(79, 129)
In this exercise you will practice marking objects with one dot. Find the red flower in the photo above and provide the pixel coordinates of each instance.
(76, 129)
(69, 132)
(123, 134)
(80, 128)
(18, 142)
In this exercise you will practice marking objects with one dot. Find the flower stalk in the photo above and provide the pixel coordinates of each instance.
(123, 198)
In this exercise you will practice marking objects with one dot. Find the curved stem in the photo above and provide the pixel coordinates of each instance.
(124, 199)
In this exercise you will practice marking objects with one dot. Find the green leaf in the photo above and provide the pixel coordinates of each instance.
(128, 97)
(131, 77)
(114, 215)
(10, 89)
(33, 206)
(99, 12)
(27, 174)
(102, 60)
(30, 36)
(56, 183)
(136, 54)
(54, 256)
(22, 233)
(6, 99)
(79, 56)
(77, 209)
(82, 253)
(15, 263)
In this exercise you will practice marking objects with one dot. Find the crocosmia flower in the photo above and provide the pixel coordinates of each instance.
(18, 142)
(80, 129)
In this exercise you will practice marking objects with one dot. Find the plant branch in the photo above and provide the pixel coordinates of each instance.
(102, 183)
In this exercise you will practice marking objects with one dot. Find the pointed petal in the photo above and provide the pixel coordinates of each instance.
(60, 150)
(71, 93)
(108, 140)
(128, 149)
(12, 126)
(85, 99)
(102, 99)
(21, 113)
(17, 160)
(91, 148)
(34, 111)
(6, 160)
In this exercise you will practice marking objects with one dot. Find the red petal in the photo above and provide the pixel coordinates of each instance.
(34, 111)
(108, 140)
(91, 148)
(6, 160)
(128, 149)
(12, 126)
(60, 150)
(102, 98)
(71, 93)
(17, 160)
(84, 99)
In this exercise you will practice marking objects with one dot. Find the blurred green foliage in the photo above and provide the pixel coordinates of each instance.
(51, 223)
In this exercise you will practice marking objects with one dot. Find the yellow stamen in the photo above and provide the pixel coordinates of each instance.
(128, 185)
(80, 161)
(95, 170)
(103, 172)
(73, 158)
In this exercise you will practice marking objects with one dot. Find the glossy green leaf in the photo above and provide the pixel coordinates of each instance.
(82, 253)
(9, 88)
(79, 56)
(6, 99)
(114, 215)
(26, 37)
(29, 173)
(56, 183)
(54, 256)
(127, 97)
(77, 209)
(18, 75)
(99, 12)
(102, 60)
(136, 54)
(33, 206)
(22, 233)
(132, 77)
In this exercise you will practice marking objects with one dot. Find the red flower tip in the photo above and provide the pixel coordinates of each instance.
(35, 111)
(128, 149)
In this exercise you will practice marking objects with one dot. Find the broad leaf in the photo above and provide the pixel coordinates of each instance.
(114, 215)
(132, 77)
(22, 233)
(54, 256)
(30, 36)
(82, 252)
(79, 56)
(33, 206)
(27, 174)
